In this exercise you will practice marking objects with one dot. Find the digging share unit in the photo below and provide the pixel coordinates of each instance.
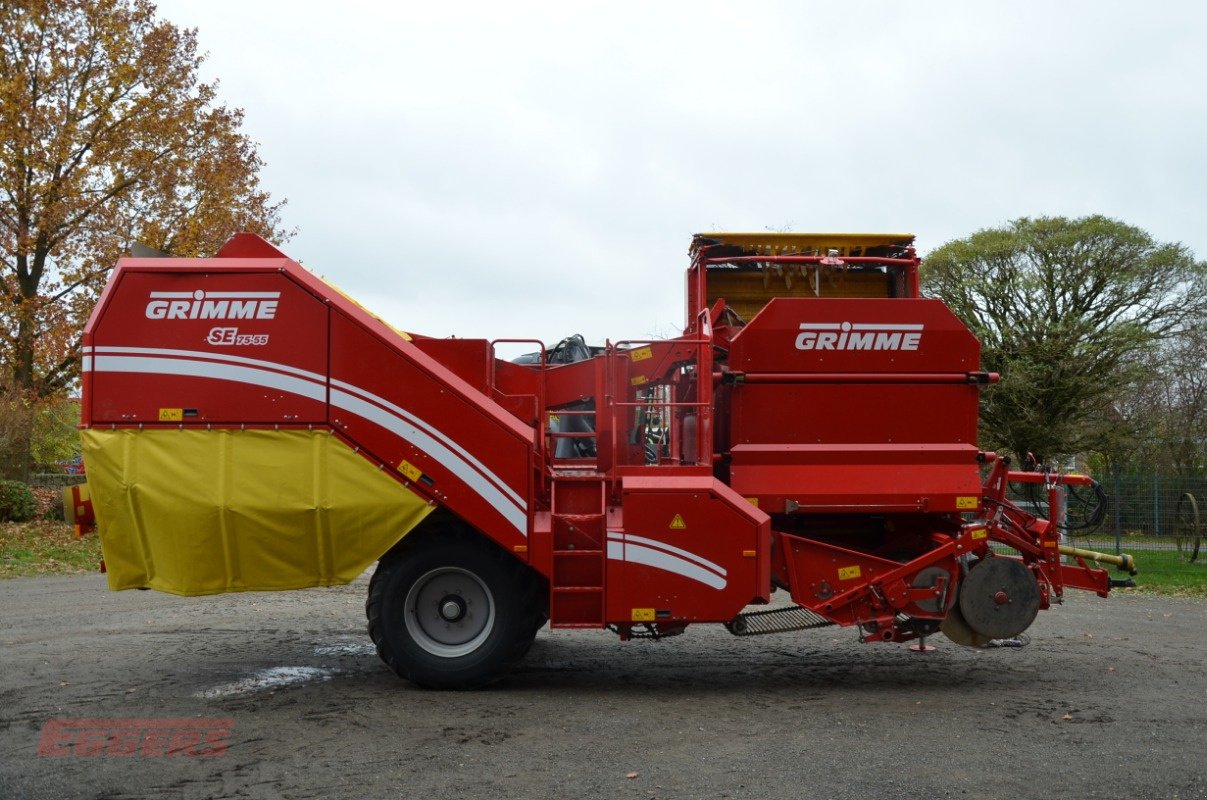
(246, 426)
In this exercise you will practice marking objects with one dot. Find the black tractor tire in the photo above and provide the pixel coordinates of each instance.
(450, 610)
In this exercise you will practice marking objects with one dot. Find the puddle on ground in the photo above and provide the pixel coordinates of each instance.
(268, 680)
(352, 647)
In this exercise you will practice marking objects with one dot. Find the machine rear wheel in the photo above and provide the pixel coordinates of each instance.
(450, 612)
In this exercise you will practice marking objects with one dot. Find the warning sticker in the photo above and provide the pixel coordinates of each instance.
(641, 354)
(643, 615)
(410, 470)
(677, 524)
(980, 533)
(966, 502)
(171, 414)
(847, 573)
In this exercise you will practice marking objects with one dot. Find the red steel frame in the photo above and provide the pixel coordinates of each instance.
(699, 534)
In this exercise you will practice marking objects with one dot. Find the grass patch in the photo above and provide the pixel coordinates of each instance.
(50, 548)
(46, 548)
(1165, 572)
(1160, 571)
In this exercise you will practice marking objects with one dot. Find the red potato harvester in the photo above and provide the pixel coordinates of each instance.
(246, 426)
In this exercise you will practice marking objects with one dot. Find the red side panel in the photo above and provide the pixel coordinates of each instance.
(260, 342)
(690, 550)
(221, 347)
(863, 335)
(855, 405)
(854, 413)
(826, 478)
(400, 405)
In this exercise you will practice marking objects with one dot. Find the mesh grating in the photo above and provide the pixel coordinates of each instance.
(775, 620)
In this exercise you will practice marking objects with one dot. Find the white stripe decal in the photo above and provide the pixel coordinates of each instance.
(241, 295)
(195, 355)
(890, 326)
(670, 548)
(356, 390)
(449, 443)
(204, 369)
(308, 384)
(623, 548)
(221, 295)
(400, 427)
(636, 554)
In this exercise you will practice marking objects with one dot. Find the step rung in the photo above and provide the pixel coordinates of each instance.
(577, 589)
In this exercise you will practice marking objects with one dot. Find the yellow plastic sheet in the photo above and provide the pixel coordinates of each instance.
(196, 512)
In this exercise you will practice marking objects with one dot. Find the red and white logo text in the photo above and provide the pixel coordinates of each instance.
(858, 336)
(231, 336)
(213, 305)
(153, 738)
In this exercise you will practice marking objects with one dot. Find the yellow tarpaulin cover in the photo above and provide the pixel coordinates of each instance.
(200, 512)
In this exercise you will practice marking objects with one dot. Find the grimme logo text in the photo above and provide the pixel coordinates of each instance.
(213, 305)
(858, 336)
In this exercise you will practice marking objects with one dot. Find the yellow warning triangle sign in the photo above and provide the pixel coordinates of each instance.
(677, 524)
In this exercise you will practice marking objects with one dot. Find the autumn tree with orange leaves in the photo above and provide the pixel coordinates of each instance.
(107, 137)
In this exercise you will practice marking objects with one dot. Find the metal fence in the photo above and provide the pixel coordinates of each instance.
(1148, 511)
(55, 480)
(1156, 510)
(1161, 518)
(1163, 515)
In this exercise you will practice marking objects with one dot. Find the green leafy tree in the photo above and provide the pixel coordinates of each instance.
(107, 137)
(1072, 313)
(1168, 411)
(55, 437)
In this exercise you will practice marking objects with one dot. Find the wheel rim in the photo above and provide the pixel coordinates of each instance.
(449, 612)
(1188, 527)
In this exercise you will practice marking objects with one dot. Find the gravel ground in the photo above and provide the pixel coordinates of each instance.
(1109, 700)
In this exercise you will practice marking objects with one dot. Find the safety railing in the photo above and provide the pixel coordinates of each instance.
(686, 391)
(541, 474)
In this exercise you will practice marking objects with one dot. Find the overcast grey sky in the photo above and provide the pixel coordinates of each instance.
(514, 169)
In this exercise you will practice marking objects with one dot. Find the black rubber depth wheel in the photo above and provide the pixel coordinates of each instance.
(999, 598)
(450, 611)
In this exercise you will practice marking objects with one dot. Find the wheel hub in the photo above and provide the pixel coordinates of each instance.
(449, 612)
(452, 608)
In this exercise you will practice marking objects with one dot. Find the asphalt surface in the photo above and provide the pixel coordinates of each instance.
(1109, 700)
